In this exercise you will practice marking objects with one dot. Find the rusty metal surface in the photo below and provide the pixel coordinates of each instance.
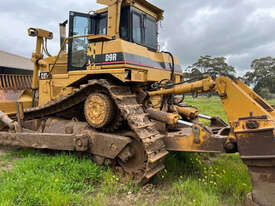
(183, 140)
(45, 141)
(187, 112)
(169, 118)
(60, 134)
(61, 126)
(263, 181)
(2, 126)
(134, 158)
(259, 143)
(217, 122)
(6, 120)
(107, 145)
(256, 145)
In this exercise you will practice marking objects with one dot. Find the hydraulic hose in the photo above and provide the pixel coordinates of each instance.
(172, 77)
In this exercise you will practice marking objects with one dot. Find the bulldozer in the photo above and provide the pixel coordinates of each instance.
(112, 93)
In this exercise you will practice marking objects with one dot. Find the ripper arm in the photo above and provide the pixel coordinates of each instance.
(252, 129)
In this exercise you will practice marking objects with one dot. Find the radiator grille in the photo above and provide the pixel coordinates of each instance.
(17, 82)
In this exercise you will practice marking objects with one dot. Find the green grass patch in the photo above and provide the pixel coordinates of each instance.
(41, 179)
(272, 102)
(192, 193)
(62, 179)
(203, 179)
(208, 106)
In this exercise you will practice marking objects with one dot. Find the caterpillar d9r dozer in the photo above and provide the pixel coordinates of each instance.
(112, 93)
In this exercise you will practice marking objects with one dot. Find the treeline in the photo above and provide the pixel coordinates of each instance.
(261, 76)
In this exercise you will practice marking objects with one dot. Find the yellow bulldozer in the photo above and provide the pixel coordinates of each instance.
(111, 92)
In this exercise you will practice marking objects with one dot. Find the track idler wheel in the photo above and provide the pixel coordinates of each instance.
(101, 112)
(134, 164)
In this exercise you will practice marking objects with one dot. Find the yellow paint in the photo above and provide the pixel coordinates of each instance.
(9, 106)
(239, 101)
(44, 92)
(185, 140)
(198, 87)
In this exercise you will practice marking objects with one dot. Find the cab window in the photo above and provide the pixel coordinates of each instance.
(124, 28)
(137, 29)
(101, 21)
(151, 36)
(81, 27)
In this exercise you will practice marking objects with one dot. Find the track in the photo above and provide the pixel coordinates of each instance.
(132, 112)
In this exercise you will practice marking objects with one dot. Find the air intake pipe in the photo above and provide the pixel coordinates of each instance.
(62, 28)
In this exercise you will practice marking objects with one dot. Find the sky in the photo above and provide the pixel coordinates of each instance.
(240, 30)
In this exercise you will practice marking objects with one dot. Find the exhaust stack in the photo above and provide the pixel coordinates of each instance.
(62, 28)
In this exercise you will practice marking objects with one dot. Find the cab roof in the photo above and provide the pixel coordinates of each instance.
(143, 5)
(157, 11)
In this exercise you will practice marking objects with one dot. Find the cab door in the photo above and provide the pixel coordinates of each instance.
(80, 25)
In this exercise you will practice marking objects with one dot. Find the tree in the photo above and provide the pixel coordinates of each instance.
(193, 73)
(215, 66)
(262, 76)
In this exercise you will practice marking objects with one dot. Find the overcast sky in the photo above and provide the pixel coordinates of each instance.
(240, 30)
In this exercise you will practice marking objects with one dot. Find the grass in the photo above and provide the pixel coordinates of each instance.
(58, 180)
(36, 178)
(203, 179)
(272, 102)
(208, 106)
(66, 179)
(40, 179)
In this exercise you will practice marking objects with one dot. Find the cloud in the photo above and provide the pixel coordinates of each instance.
(241, 30)
(17, 16)
(238, 29)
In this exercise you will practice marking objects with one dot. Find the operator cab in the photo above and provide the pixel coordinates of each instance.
(135, 26)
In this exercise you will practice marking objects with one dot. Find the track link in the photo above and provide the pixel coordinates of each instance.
(132, 112)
